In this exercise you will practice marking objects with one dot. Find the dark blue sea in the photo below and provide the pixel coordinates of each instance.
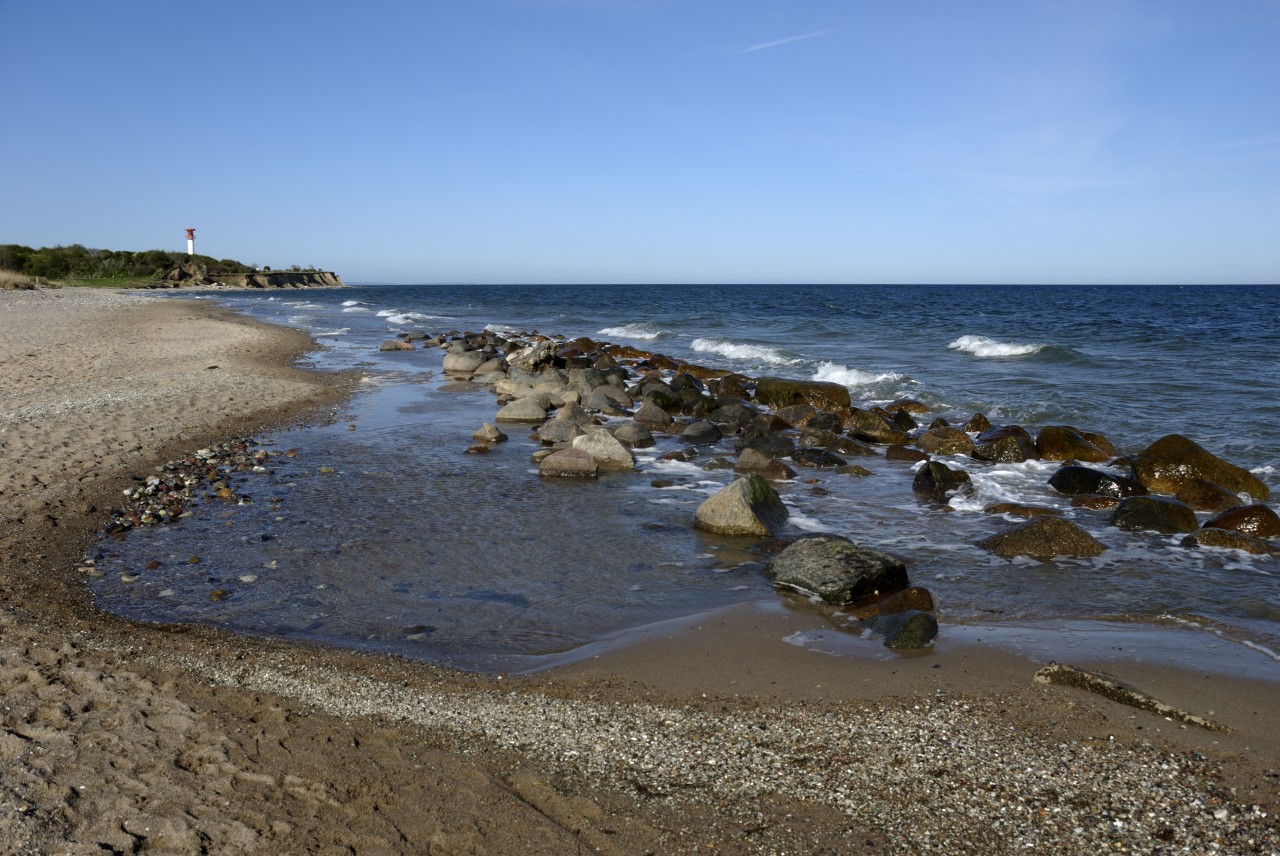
(406, 544)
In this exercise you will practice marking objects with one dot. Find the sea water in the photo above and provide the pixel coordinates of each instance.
(381, 533)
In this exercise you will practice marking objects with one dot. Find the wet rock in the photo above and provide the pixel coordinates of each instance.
(945, 440)
(574, 412)
(777, 392)
(568, 463)
(607, 397)
(1155, 513)
(772, 445)
(853, 470)
(608, 452)
(489, 433)
(477, 449)
(701, 434)
(634, 435)
(903, 421)
(836, 570)
(907, 405)
(720, 463)
(747, 506)
(1256, 520)
(939, 482)
(1074, 479)
(797, 415)
(529, 409)
(1206, 496)
(1013, 508)
(1172, 461)
(463, 362)
(905, 453)
(732, 415)
(977, 423)
(915, 597)
(754, 461)
(1064, 443)
(1229, 539)
(817, 459)
(1043, 538)
(1008, 444)
(395, 345)
(652, 416)
(1094, 502)
(871, 427)
(905, 630)
(558, 431)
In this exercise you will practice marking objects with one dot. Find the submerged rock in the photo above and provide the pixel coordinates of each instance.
(395, 345)
(1171, 462)
(1156, 513)
(1229, 539)
(836, 570)
(1043, 538)
(747, 506)
(817, 458)
(905, 630)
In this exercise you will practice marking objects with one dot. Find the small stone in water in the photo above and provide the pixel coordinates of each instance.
(194, 560)
(218, 594)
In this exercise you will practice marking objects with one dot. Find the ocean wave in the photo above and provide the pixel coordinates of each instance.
(646, 332)
(353, 303)
(395, 316)
(836, 373)
(356, 308)
(746, 353)
(981, 346)
(341, 331)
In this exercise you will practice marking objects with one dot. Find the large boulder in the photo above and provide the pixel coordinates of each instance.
(1256, 520)
(777, 392)
(652, 416)
(1074, 479)
(1043, 538)
(1064, 443)
(747, 506)
(1008, 444)
(1172, 461)
(531, 409)
(634, 435)
(463, 362)
(939, 482)
(701, 433)
(533, 357)
(872, 427)
(1155, 513)
(568, 463)
(836, 570)
(608, 452)
(945, 440)
(1206, 496)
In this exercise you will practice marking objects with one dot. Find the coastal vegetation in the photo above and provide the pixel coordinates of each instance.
(79, 265)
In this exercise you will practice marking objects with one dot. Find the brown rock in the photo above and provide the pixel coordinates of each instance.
(1008, 444)
(1256, 520)
(915, 597)
(569, 463)
(1156, 513)
(1206, 496)
(1043, 538)
(1172, 461)
(1231, 540)
(904, 453)
(945, 440)
(1094, 501)
(1064, 443)
(1017, 510)
(977, 424)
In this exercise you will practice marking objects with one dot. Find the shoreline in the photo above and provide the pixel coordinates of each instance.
(203, 685)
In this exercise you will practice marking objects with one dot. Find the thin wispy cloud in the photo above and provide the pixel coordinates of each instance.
(789, 40)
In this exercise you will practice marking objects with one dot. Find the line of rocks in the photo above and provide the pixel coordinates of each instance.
(565, 389)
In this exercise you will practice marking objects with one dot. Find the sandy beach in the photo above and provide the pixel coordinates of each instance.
(710, 733)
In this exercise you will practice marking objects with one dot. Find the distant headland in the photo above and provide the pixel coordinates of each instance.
(76, 265)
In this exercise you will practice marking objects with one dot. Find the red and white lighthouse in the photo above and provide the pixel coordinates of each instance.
(191, 242)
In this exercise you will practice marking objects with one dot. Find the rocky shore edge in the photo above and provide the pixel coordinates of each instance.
(132, 738)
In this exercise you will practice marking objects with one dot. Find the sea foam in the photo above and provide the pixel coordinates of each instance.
(746, 353)
(981, 346)
(645, 332)
(836, 373)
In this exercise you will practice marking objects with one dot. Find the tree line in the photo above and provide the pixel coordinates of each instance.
(79, 262)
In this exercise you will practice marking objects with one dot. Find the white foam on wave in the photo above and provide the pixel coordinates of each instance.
(837, 373)
(395, 316)
(645, 332)
(341, 331)
(981, 346)
(353, 303)
(749, 353)
(1021, 483)
(357, 309)
(502, 330)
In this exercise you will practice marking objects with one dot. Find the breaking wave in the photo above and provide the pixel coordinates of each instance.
(981, 346)
(646, 332)
(746, 353)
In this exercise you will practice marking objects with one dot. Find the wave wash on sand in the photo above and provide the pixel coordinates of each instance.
(715, 732)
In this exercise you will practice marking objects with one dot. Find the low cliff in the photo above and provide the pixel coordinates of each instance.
(199, 276)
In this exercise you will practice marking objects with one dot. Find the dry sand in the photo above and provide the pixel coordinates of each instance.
(709, 733)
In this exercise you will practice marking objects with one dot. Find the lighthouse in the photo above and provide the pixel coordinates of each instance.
(191, 242)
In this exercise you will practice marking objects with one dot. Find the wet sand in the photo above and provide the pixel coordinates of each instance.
(707, 732)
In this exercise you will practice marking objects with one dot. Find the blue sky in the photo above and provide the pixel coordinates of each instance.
(656, 140)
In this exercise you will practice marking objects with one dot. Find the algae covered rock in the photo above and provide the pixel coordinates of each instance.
(1173, 461)
(836, 570)
(1155, 513)
(1043, 538)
